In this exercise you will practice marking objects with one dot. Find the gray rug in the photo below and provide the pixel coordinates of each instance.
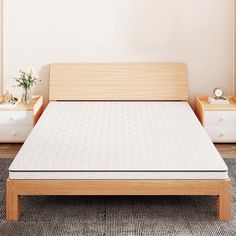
(116, 215)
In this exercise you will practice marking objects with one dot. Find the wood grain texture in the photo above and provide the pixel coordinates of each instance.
(9, 150)
(37, 114)
(12, 201)
(130, 81)
(224, 201)
(199, 110)
(117, 187)
(203, 102)
(34, 106)
(226, 150)
(16, 188)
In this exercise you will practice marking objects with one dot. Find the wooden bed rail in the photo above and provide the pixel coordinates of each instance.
(17, 188)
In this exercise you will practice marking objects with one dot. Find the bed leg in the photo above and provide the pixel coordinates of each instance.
(12, 201)
(224, 201)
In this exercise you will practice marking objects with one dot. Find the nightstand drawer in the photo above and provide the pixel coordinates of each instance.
(16, 118)
(220, 118)
(221, 133)
(14, 133)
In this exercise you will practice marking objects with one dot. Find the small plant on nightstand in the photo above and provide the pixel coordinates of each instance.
(26, 79)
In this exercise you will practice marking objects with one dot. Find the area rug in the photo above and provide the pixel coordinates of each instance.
(129, 216)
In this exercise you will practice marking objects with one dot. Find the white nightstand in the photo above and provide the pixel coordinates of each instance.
(17, 122)
(218, 120)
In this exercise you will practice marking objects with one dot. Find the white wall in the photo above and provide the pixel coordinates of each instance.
(198, 32)
(1, 47)
(234, 47)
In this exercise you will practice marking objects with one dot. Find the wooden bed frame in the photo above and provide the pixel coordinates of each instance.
(126, 82)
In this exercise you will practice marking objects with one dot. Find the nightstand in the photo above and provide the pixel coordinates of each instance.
(17, 122)
(219, 121)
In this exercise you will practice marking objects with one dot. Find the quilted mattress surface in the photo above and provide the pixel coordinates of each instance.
(118, 140)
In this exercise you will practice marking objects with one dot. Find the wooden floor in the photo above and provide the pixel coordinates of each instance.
(227, 150)
(10, 150)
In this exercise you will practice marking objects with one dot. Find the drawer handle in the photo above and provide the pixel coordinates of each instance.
(11, 119)
(222, 119)
(222, 133)
(13, 133)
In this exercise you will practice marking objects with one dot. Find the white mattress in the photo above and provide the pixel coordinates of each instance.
(118, 140)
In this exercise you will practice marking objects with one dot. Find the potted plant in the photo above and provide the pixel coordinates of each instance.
(26, 80)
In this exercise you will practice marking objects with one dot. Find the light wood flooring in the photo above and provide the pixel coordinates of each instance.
(10, 150)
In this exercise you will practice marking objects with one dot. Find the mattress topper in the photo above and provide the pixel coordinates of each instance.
(118, 136)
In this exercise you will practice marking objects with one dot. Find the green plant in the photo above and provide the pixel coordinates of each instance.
(26, 79)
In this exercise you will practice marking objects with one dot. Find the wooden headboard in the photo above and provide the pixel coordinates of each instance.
(126, 81)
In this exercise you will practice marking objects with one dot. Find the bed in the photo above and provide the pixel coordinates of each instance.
(118, 129)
